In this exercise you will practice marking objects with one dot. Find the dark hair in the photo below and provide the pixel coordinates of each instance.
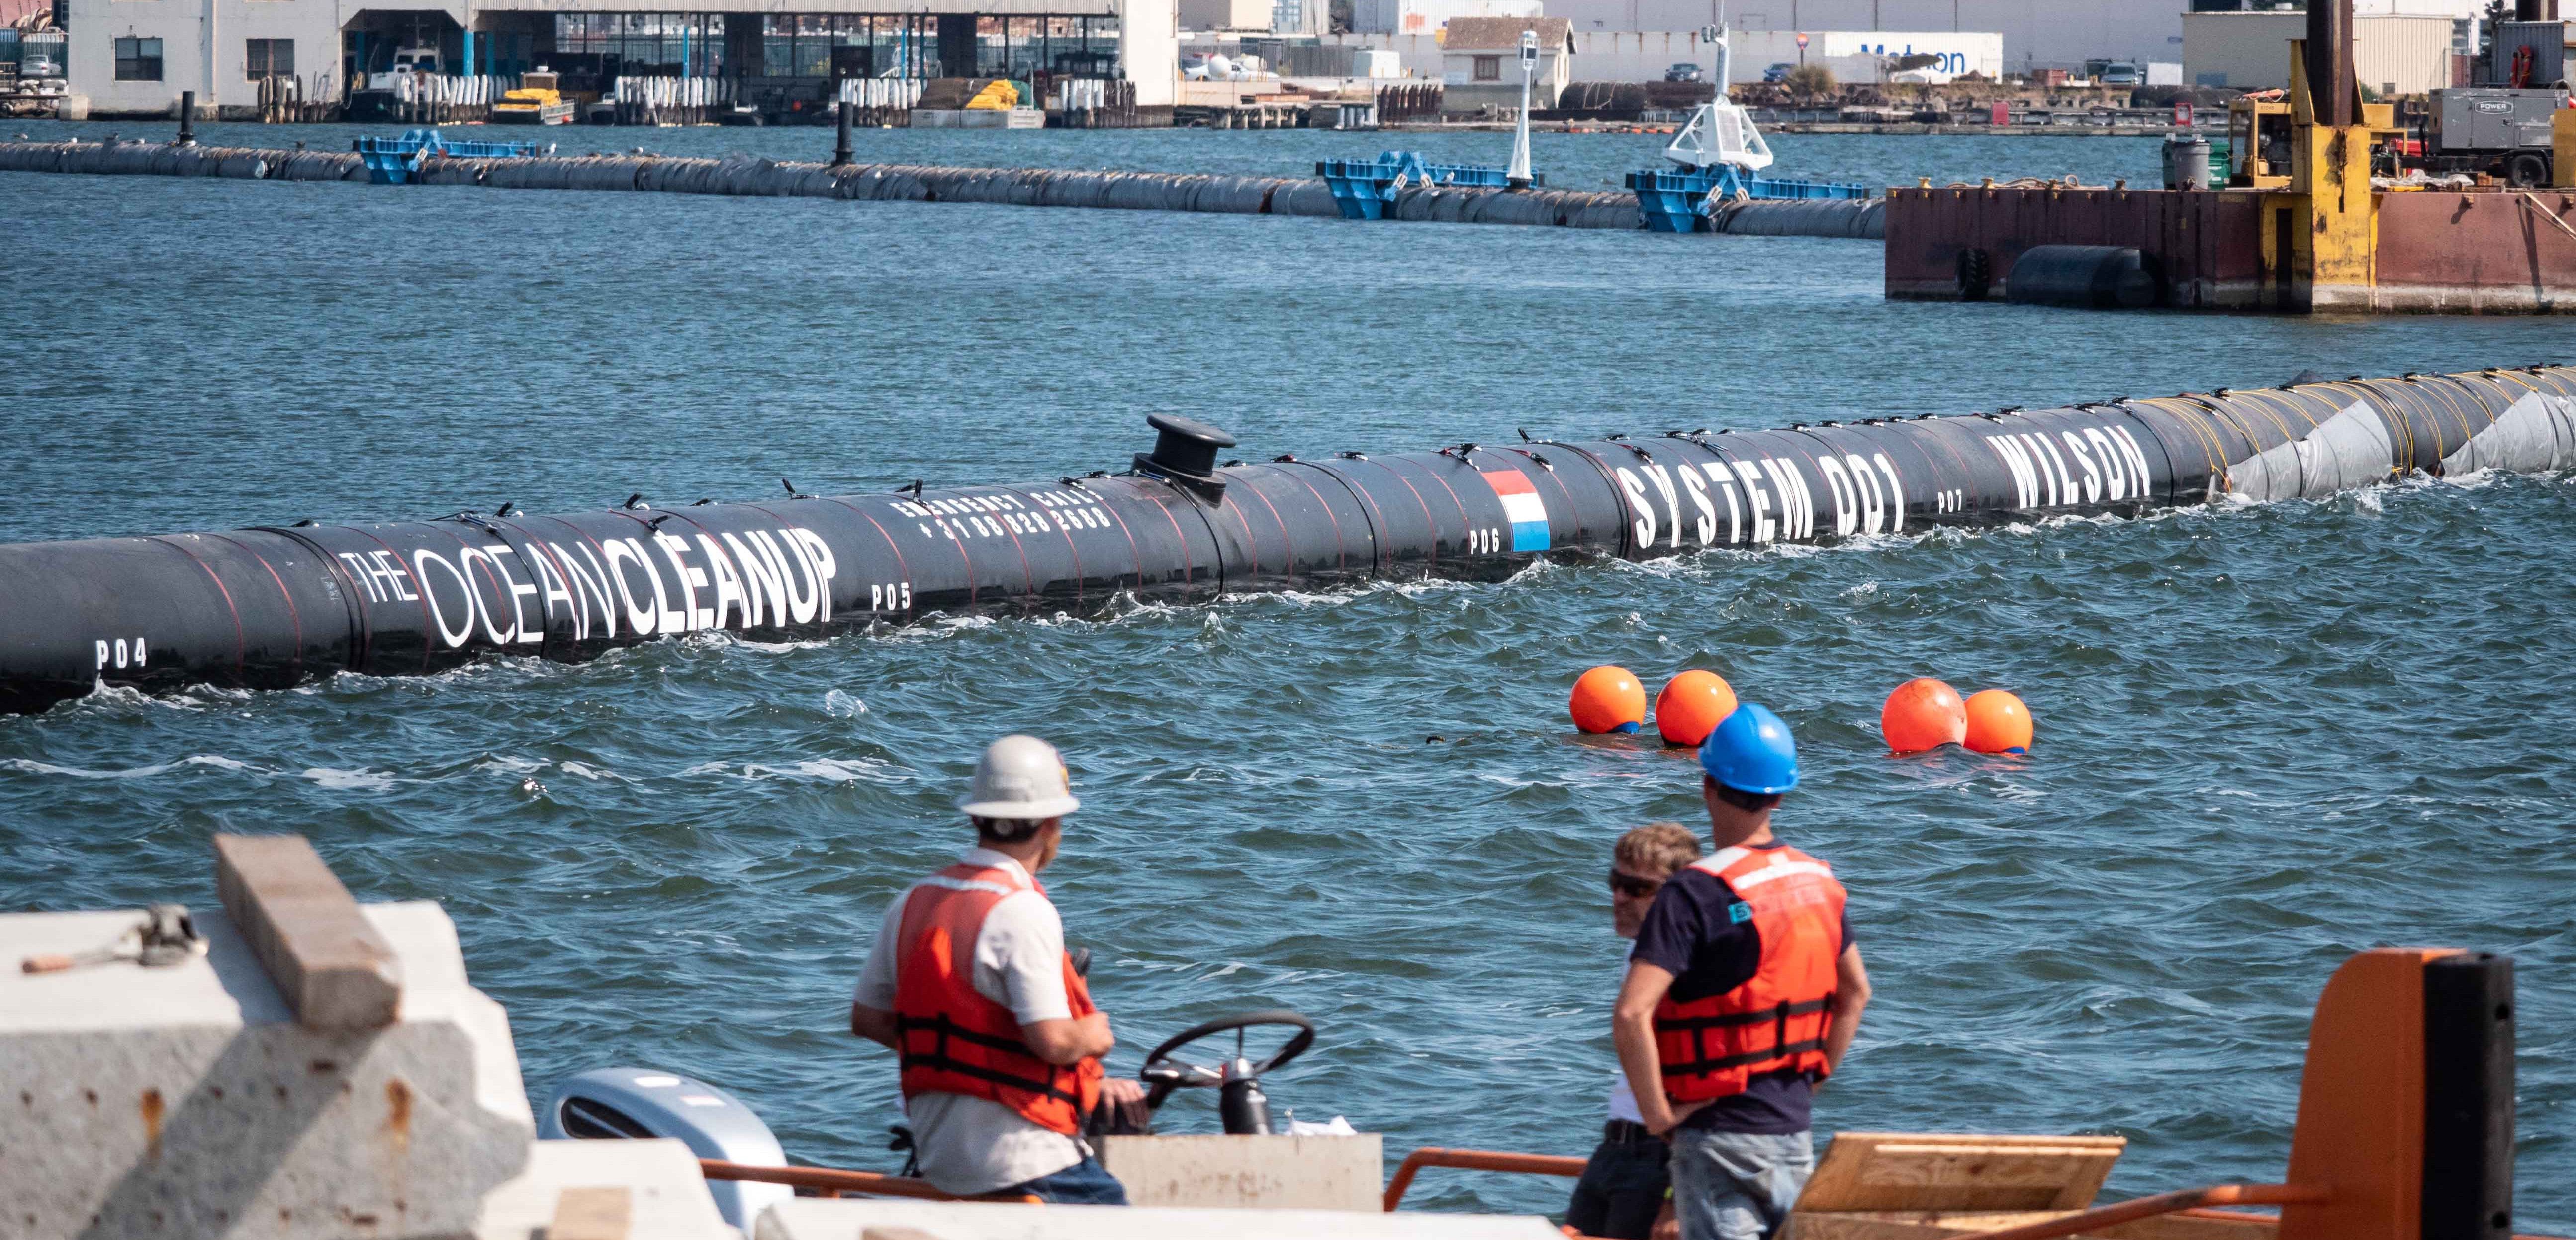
(1005, 830)
(1749, 802)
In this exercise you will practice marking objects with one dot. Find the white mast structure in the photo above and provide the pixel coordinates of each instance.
(1720, 132)
(1518, 175)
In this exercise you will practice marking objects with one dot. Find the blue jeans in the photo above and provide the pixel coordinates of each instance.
(1085, 1183)
(1738, 1185)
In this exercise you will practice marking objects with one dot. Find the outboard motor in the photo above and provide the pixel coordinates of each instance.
(621, 1103)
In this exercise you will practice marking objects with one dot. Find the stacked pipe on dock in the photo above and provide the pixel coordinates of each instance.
(275, 605)
(1026, 187)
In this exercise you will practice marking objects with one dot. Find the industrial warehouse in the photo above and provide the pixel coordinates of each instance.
(1135, 63)
(136, 60)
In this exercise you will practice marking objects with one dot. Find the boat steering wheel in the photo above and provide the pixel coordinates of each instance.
(1242, 1103)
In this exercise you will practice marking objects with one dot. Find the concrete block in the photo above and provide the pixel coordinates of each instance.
(1246, 1172)
(187, 1101)
(815, 1218)
(333, 968)
(605, 1190)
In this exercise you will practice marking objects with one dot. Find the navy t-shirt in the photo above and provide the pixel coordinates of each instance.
(1689, 933)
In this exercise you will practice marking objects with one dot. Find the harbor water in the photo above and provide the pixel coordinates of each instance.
(2269, 736)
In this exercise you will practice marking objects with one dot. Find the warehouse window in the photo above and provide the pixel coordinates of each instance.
(1489, 68)
(269, 58)
(138, 60)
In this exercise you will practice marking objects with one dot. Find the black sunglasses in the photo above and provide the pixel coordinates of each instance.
(1633, 887)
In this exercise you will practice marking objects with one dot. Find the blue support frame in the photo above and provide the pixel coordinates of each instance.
(1363, 188)
(391, 161)
(1678, 200)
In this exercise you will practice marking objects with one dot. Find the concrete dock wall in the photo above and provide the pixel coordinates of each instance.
(1021, 187)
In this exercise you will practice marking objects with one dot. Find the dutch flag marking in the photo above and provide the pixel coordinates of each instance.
(1521, 507)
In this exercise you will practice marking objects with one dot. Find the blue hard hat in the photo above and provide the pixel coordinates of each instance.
(1751, 751)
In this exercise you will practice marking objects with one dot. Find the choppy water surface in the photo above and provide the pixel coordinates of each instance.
(2268, 736)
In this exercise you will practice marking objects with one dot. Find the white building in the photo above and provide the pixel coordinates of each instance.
(2037, 34)
(1480, 62)
(2034, 33)
(2394, 55)
(1644, 55)
(135, 57)
(1424, 17)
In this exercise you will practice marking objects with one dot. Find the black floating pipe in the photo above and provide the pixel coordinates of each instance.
(274, 605)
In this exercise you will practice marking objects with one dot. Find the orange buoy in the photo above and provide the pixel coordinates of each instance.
(1608, 699)
(1923, 714)
(1997, 723)
(1692, 705)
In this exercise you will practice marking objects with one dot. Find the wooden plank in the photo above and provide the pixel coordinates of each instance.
(335, 971)
(1953, 1173)
(1905, 1224)
(2038, 1177)
(1935, 1225)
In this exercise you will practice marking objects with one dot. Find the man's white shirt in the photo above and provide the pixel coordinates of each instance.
(975, 1145)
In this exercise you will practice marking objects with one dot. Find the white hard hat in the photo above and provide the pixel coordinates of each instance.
(1019, 777)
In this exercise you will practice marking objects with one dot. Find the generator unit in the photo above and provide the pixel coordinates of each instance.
(2499, 130)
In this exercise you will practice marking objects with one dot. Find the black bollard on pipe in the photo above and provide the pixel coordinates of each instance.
(841, 149)
(187, 118)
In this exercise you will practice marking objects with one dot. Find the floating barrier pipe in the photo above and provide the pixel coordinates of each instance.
(1022, 187)
(274, 605)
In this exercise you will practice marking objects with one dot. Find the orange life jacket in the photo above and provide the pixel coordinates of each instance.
(1712, 1047)
(949, 1038)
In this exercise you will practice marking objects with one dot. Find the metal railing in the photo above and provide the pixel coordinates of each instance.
(1477, 1160)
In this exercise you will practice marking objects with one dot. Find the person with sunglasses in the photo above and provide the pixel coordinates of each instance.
(1742, 996)
(1625, 1184)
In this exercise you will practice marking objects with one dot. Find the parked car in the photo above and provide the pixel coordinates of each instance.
(40, 67)
(1683, 71)
(1778, 72)
(2120, 73)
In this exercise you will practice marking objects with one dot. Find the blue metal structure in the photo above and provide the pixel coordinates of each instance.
(1363, 188)
(1679, 200)
(391, 161)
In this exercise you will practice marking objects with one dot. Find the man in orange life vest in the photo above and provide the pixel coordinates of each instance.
(1742, 996)
(972, 988)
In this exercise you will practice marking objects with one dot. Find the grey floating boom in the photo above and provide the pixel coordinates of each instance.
(272, 606)
(1018, 187)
